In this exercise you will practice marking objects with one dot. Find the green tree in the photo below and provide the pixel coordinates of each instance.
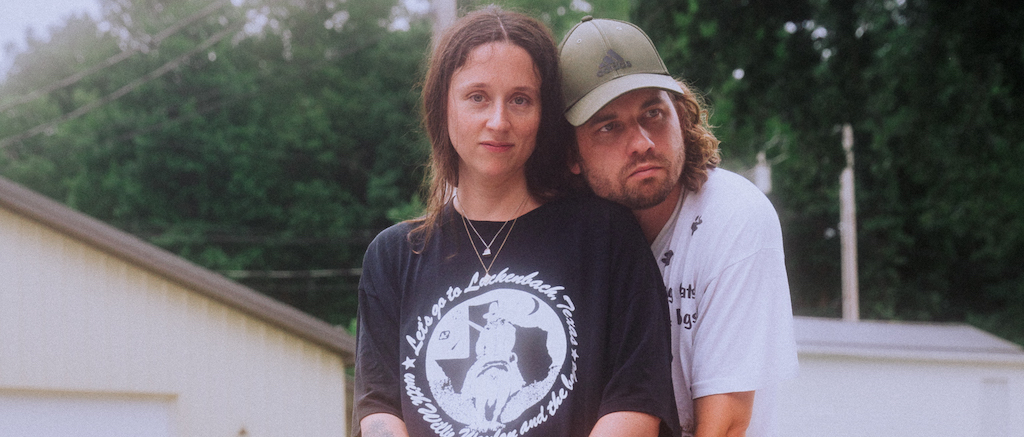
(932, 90)
(559, 15)
(265, 139)
(284, 146)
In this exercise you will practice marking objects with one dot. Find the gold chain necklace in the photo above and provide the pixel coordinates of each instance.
(487, 267)
(466, 223)
(487, 246)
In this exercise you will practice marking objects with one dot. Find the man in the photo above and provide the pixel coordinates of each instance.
(644, 142)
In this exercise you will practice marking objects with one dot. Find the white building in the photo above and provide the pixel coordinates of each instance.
(873, 378)
(103, 334)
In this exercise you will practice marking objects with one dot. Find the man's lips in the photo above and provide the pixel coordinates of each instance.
(645, 170)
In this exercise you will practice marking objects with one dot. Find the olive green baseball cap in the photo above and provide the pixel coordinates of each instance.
(602, 59)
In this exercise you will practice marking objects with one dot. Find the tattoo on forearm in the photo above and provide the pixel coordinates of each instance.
(377, 428)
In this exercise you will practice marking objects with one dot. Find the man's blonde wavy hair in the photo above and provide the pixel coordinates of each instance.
(701, 144)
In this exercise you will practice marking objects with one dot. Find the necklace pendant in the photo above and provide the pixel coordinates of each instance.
(487, 251)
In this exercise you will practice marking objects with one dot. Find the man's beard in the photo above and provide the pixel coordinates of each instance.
(644, 194)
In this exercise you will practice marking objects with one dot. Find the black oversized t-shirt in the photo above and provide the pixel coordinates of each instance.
(571, 324)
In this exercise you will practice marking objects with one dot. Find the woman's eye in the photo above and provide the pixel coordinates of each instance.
(520, 101)
(476, 98)
(654, 113)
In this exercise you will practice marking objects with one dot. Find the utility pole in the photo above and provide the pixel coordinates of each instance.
(848, 231)
(762, 173)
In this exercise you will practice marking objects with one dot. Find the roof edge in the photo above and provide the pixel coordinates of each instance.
(989, 358)
(903, 341)
(144, 254)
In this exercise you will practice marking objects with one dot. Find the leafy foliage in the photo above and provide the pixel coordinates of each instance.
(277, 136)
(932, 90)
(283, 148)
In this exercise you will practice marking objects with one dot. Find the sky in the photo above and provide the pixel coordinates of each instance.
(18, 15)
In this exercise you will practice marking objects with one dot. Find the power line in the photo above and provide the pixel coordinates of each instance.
(85, 109)
(157, 39)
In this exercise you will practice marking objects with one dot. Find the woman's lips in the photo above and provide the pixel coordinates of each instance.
(497, 146)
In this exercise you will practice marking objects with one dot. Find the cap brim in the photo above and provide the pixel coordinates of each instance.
(586, 107)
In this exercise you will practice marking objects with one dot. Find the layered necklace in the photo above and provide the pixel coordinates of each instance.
(486, 253)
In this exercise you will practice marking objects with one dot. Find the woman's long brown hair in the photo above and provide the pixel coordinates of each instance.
(546, 170)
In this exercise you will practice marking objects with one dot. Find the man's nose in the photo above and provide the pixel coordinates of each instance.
(640, 140)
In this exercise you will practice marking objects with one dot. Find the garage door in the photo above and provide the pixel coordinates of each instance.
(31, 414)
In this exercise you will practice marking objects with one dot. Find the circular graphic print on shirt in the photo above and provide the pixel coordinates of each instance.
(494, 356)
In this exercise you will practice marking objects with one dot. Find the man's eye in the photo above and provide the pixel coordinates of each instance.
(520, 101)
(653, 113)
(476, 98)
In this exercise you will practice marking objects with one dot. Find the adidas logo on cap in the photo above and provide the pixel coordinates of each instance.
(611, 62)
(602, 43)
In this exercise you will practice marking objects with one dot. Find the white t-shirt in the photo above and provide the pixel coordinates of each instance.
(732, 320)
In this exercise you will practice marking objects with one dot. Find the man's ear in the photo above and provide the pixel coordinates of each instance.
(575, 168)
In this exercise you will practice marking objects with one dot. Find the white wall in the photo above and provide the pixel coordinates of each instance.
(34, 414)
(74, 319)
(836, 396)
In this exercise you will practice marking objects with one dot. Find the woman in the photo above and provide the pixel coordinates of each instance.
(510, 308)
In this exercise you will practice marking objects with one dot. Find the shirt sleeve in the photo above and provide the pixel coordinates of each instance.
(744, 334)
(377, 374)
(639, 339)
